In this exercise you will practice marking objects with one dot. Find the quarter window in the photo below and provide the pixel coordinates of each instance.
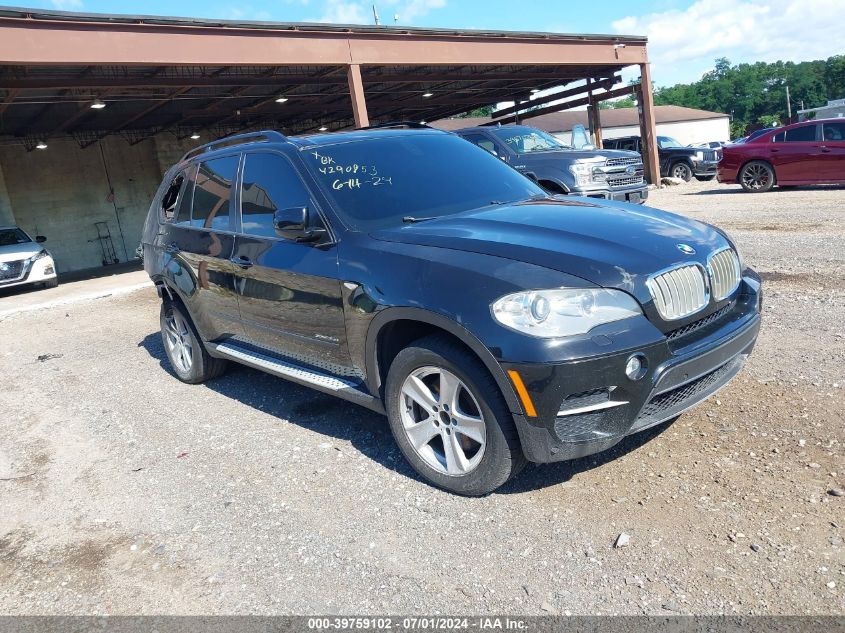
(212, 193)
(804, 134)
(270, 183)
(833, 131)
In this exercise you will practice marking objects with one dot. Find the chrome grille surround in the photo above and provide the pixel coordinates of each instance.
(679, 291)
(723, 267)
(624, 162)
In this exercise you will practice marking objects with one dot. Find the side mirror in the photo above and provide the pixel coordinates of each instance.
(40, 239)
(293, 223)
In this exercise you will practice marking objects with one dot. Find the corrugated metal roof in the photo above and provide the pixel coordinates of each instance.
(47, 14)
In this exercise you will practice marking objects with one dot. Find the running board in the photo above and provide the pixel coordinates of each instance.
(309, 377)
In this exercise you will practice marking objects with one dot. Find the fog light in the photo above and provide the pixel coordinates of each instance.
(635, 367)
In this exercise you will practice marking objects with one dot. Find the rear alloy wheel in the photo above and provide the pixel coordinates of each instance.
(449, 418)
(187, 355)
(757, 177)
(682, 171)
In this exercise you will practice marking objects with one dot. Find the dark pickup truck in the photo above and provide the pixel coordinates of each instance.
(676, 160)
(558, 168)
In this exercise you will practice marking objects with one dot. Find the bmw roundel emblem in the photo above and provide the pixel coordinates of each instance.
(686, 249)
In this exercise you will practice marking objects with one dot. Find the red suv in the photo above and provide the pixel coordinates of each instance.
(808, 153)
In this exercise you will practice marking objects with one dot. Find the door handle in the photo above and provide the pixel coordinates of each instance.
(242, 260)
(824, 148)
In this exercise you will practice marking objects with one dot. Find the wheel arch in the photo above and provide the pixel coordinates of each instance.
(555, 186)
(405, 325)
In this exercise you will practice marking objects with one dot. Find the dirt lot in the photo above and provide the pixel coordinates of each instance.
(125, 491)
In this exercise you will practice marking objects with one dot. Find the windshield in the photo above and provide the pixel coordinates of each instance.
(9, 237)
(377, 182)
(525, 140)
(667, 141)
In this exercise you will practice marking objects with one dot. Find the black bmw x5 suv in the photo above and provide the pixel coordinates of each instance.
(413, 273)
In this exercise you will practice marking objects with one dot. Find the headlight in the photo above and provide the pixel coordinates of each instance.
(39, 255)
(586, 173)
(563, 311)
(699, 156)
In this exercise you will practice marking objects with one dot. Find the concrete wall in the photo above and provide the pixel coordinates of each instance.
(60, 192)
(686, 132)
(7, 218)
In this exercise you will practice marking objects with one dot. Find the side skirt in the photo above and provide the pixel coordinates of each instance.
(300, 374)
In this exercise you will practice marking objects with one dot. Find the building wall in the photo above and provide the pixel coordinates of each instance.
(686, 132)
(62, 191)
(7, 218)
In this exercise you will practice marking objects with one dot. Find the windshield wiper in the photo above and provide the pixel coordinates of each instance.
(408, 219)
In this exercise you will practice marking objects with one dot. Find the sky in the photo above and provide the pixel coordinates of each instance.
(685, 36)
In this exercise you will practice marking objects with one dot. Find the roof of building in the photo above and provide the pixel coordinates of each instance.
(617, 117)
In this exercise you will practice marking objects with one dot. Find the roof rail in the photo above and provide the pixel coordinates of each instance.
(264, 136)
(390, 124)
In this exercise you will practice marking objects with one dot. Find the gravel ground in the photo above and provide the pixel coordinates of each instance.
(125, 491)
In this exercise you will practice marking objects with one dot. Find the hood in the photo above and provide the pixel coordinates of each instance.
(577, 154)
(15, 252)
(614, 245)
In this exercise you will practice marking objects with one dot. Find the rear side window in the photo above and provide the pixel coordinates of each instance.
(801, 134)
(172, 197)
(270, 183)
(833, 131)
(483, 142)
(212, 193)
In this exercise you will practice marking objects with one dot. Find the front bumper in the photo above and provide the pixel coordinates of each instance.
(589, 405)
(40, 270)
(635, 195)
(705, 167)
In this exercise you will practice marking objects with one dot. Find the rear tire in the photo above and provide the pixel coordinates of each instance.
(449, 418)
(185, 350)
(681, 170)
(757, 176)
(704, 178)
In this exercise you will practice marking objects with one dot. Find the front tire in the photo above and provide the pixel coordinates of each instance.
(704, 178)
(449, 418)
(185, 351)
(52, 283)
(681, 170)
(757, 177)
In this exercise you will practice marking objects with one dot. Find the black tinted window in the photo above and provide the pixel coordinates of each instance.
(834, 131)
(803, 133)
(269, 183)
(212, 192)
(375, 182)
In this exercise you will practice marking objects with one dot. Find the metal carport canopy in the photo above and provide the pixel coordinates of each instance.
(159, 74)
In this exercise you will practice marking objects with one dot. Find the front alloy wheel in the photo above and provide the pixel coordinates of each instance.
(682, 171)
(449, 417)
(443, 421)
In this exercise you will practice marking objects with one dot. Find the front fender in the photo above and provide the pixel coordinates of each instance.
(388, 315)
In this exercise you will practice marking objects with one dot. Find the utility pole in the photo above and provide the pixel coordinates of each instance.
(788, 105)
(375, 15)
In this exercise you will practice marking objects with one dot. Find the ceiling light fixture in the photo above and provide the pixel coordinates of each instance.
(281, 99)
(323, 128)
(41, 145)
(426, 95)
(194, 136)
(533, 90)
(98, 105)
